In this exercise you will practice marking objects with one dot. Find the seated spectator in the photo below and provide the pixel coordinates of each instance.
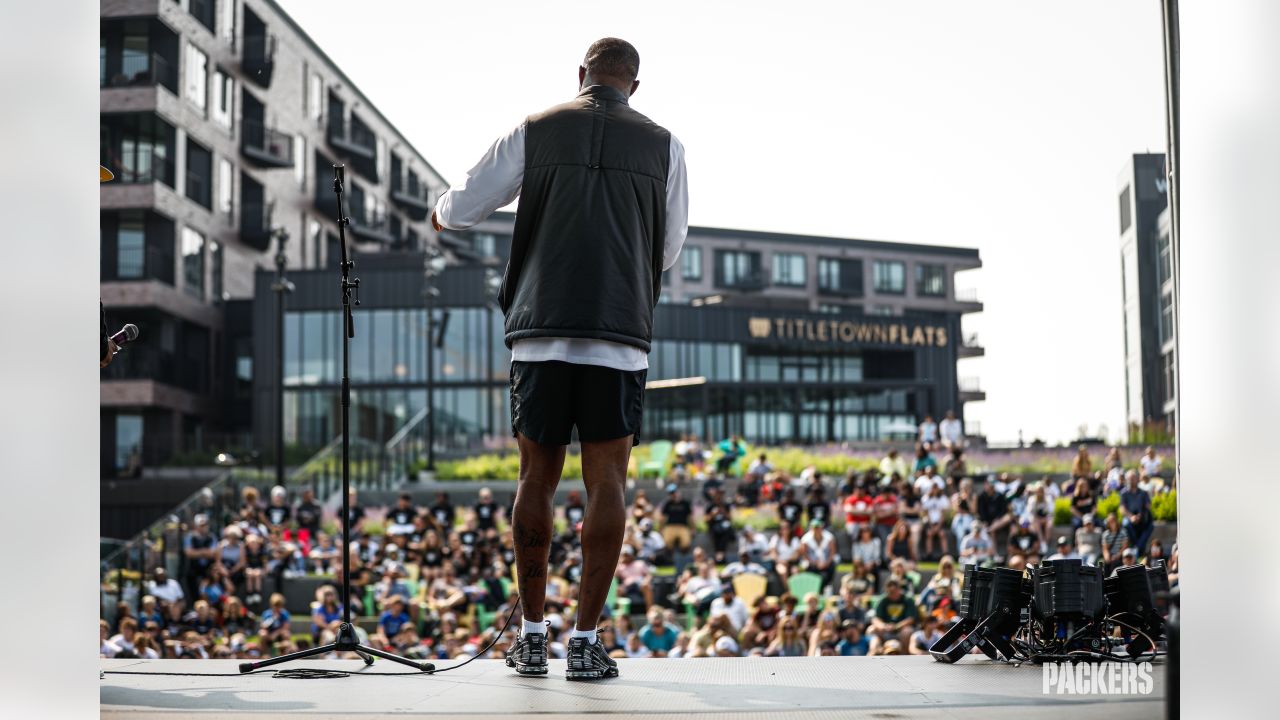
(743, 564)
(762, 624)
(394, 619)
(857, 511)
(326, 613)
(788, 642)
(849, 605)
(927, 479)
(443, 511)
(487, 512)
(1083, 503)
(1150, 463)
(951, 432)
(818, 552)
(149, 611)
(784, 550)
(893, 464)
(935, 505)
(641, 508)
(1022, 541)
(808, 613)
(894, 617)
(275, 621)
(924, 458)
(1082, 465)
(123, 642)
(308, 514)
(925, 637)
(635, 576)
(164, 588)
(993, 507)
(1089, 541)
(1136, 504)
(852, 641)
(277, 513)
(1064, 551)
(884, 508)
(323, 553)
(658, 636)
(731, 605)
(255, 566)
(825, 634)
(956, 466)
(866, 552)
(236, 618)
(731, 449)
(962, 522)
(818, 508)
(945, 584)
(648, 542)
(719, 517)
(976, 546)
(400, 518)
(791, 511)
(898, 546)
(726, 646)
(676, 513)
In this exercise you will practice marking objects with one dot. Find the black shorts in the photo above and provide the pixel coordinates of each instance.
(548, 399)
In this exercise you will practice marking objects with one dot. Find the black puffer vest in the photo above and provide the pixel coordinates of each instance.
(586, 253)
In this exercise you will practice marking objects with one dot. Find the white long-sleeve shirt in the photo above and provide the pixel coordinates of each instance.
(495, 181)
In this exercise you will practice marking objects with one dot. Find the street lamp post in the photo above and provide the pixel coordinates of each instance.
(433, 265)
(282, 286)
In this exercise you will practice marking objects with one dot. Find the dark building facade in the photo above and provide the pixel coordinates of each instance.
(762, 334)
(221, 120)
(1146, 267)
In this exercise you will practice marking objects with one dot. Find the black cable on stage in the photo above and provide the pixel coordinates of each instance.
(327, 674)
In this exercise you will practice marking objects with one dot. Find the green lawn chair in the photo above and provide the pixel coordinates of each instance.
(620, 605)
(659, 456)
(802, 584)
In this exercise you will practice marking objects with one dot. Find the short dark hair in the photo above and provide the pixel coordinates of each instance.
(612, 57)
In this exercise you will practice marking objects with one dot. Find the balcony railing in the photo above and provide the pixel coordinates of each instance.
(970, 385)
(265, 146)
(373, 227)
(199, 188)
(139, 166)
(143, 71)
(255, 224)
(413, 200)
(969, 295)
(352, 138)
(750, 282)
(259, 58)
(145, 362)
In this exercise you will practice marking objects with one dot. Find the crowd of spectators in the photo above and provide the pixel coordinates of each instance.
(762, 564)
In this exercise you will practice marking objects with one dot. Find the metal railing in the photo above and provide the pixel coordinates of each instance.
(967, 295)
(404, 448)
(970, 384)
(267, 141)
(142, 71)
(971, 341)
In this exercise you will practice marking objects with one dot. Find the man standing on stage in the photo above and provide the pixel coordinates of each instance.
(603, 211)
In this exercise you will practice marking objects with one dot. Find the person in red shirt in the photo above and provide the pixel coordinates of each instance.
(857, 510)
(885, 510)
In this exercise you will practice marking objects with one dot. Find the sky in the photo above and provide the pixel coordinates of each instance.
(997, 125)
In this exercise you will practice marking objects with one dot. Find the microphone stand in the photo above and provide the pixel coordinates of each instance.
(347, 640)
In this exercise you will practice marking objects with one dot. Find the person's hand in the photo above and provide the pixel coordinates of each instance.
(111, 353)
(435, 222)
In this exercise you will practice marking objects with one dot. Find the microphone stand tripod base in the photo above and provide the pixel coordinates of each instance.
(347, 641)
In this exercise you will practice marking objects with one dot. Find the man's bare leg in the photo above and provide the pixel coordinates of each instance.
(604, 471)
(531, 521)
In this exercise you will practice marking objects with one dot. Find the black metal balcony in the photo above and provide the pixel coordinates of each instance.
(264, 146)
(749, 282)
(351, 139)
(413, 201)
(144, 71)
(255, 224)
(372, 228)
(258, 59)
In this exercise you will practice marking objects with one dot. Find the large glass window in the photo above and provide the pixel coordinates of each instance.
(1164, 258)
(131, 247)
(840, 276)
(224, 87)
(691, 263)
(1166, 317)
(196, 87)
(931, 280)
(215, 272)
(193, 262)
(889, 277)
(737, 268)
(128, 441)
(199, 174)
(137, 148)
(226, 191)
(788, 269)
(1126, 210)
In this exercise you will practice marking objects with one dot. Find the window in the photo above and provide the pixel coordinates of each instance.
(691, 264)
(737, 269)
(131, 247)
(315, 98)
(227, 21)
(829, 309)
(1166, 317)
(788, 269)
(931, 280)
(225, 189)
(315, 236)
(137, 147)
(197, 90)
(199, 174)
(193, 263)
(224, 87)
(1165, 267)
(889, 277)
(1169, 371)
(840, 276)
(215, 271)
(128, 442)
(203, 10)
(1126, 211)
(882, 310)
(300, 160)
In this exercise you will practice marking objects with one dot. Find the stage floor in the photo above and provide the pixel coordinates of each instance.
(871, 687)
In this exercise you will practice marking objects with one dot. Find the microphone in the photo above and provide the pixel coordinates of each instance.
(127, 334)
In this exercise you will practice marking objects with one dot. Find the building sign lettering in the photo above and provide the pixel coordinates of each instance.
(847, 331)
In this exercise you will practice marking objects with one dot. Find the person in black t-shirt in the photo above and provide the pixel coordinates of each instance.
(278, 511)
(719, 516)
(470, 534)
(443, 512)
(676, 532)
(790, 510)
(309, 514)
(993, 507)
(487, 510)
(400, 518)
(574, 509)
(355, 513)
(818, 507)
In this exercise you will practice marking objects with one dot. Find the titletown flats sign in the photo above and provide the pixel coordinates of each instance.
(847, 331)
